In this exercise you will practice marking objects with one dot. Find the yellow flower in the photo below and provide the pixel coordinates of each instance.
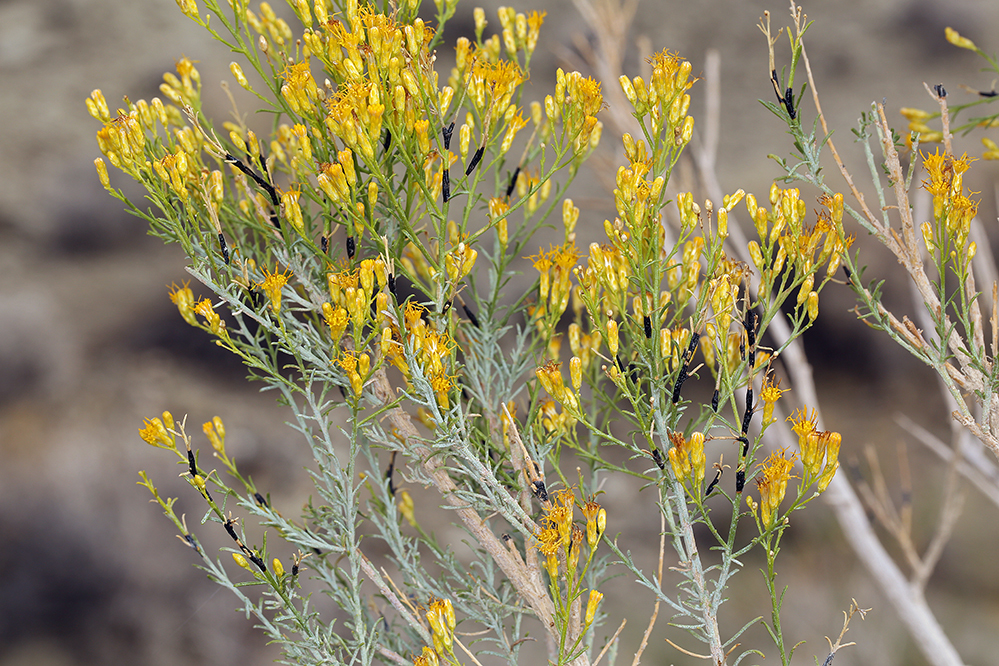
(183, 298)
(215, 431)
(772, 484)
(559, 517)
(550, 376)
(955, 38)
(155, 433)
(205, 309)
(272, 285)
(440, 617)
(336, 319)
(820, 457)
(802, 423)
(427, 658)
(770, 393)
(596, 522)
(356, 368)
(687, 459)
(591, 606)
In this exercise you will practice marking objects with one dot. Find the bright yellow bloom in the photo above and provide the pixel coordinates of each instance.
(183, 298)
(772, 484)
(591, 606)
(156, 434)
(356, 367)
(336, 319)
(205, 309)
(770, 393)
(687, 459)
(596, 522)
(427, 658)
(272, 285)
(215, 432)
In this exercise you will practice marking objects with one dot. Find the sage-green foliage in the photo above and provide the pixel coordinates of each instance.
(365, 262)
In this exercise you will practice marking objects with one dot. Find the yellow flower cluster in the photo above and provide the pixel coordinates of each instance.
(953, 210)
(185, 90)
(819, 450)
(274, 30)
(215, 432)
(520, 31)
(157, 432)
(550, 376)
(605, 279)
(664, 98)
(440, 617)
(772, 484)
(559, 539)
(577, 100)
(351, 292)
(357, 367)
(432, 349)
(686, 458)
(807, 248)
(555, 268)
(183, 298)
(124, 141)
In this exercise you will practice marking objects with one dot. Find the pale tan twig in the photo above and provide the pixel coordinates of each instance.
(839, 644)
(393, 599)
(610, 642)
(393, 656)
(688, 652)
(466, 650)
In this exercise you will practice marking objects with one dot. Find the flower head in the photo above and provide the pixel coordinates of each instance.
(183, 298)
(155, 433)
(772, 484)
(272, 285)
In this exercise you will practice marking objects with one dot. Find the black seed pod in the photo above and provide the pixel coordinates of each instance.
(715, 397)
(446, 185)
(513, 182)
(225, 249)
(471, 316)
(714, 482)
(446, 132)
(475, 160)
(647, 323)
(351, 246)
(679, 384)
(740, 480)
(748, 415)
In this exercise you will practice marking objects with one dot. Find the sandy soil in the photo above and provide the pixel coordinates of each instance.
(89, 343)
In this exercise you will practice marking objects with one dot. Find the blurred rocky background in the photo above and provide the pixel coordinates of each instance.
(90, 573)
